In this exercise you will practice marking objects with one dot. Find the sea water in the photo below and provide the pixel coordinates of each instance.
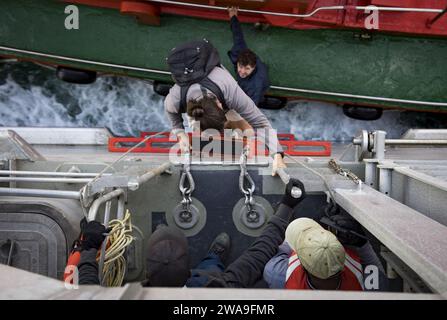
(31, 95)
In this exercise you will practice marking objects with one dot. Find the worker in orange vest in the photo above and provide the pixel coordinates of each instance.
(313, 258)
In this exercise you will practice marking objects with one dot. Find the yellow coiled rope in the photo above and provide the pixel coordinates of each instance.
(120, 237)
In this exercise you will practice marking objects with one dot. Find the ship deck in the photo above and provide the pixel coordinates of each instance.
(402, 200)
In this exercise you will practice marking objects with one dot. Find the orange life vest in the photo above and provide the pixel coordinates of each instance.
(351, 276)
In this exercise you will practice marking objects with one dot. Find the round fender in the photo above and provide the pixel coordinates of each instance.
(162, 88)
(272, 103)
(362, 113)
(77, 76)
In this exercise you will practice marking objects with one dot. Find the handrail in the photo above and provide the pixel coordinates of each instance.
(154, 172)
(22, 192)
(283, 175)
(49, 173)
(118, 192)
(43, 180)
(98, 202)
(306, 15)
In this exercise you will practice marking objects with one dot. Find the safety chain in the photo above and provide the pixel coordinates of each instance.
(186, 190)
(345, 173)
(245, 179)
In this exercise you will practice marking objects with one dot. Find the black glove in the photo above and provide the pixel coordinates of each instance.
(92, 234)
(331, 209)
(288, 199)
(351, 232)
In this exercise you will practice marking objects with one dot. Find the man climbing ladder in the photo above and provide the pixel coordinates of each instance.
(251, 72)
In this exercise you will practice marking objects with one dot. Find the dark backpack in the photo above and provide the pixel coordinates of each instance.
(190, 63)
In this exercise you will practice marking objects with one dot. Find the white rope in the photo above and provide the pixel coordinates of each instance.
(119, 238)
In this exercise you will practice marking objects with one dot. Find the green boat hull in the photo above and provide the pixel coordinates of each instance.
(331, 65)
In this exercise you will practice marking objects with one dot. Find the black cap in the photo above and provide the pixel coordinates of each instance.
(168, 258)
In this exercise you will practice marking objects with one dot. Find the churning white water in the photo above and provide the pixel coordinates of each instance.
(32, 96)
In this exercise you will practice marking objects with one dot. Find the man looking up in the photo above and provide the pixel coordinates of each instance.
(252, 74)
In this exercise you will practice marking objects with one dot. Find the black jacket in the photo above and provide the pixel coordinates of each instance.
(247, 270)
(244, 272)
(88, 267)
(257, 83)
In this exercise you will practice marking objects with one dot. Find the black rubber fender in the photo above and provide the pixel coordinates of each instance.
(162, 88)
(273, 102)
(362, 113)
(77, 76)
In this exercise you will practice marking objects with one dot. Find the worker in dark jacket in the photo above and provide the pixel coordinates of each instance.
(168, 258)
(93, 235)
(252, 73)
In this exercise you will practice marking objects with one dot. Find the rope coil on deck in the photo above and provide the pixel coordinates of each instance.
(119, 238)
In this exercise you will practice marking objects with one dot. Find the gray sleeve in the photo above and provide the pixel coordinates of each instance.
(269, 137)
(237, 100)
(368, 257)
(172, 105)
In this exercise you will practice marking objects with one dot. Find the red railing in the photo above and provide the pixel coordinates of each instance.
(164, 142)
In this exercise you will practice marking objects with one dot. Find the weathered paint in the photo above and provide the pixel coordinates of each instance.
(323, 15)
(328, 60)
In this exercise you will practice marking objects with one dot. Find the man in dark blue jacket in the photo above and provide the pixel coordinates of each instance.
(252, 73)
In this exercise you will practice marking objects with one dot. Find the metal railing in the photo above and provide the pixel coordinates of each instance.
(23, 192)
(305, 15)
(119, 193)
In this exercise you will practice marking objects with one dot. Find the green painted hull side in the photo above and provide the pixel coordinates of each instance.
(388, 66)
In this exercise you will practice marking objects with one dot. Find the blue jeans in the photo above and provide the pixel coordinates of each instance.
(211, 263)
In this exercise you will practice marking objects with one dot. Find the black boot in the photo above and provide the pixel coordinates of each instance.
(221, 246)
